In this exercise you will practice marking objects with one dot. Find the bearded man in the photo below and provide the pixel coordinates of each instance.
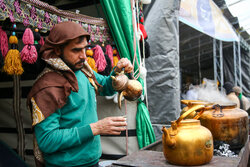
(63, 101)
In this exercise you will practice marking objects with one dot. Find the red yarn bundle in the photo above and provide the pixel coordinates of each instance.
(4, 42)
(99, 57)
(29, 53)
(144, 33)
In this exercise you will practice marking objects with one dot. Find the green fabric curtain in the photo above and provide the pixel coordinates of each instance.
(119, 18)
(144, 129)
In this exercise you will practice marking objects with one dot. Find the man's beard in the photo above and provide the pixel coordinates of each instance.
(73, 66)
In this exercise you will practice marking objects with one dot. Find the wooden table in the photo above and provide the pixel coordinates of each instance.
(150, 157)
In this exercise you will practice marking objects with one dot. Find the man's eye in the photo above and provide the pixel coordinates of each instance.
(77, 50)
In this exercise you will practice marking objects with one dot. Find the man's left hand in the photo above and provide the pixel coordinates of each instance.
(126, 64)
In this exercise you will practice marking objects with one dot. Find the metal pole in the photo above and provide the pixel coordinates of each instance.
(239, 59)
(214, 58)
(221, 65)
(199, 62)
(235, 65)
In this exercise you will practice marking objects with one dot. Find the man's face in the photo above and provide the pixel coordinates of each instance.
(74, 54)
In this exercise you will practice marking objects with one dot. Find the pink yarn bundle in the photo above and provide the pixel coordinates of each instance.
(4, 42)
(109, 52)
(29, 53)
(99, 57)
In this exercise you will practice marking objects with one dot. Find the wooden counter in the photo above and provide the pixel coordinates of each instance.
(151, 156)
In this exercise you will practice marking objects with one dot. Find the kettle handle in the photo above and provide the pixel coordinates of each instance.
(188, 102)
(193, 108)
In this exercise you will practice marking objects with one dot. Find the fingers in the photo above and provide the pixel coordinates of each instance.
(129, 69)
(112, 125)
(117, 118)
(117, 121)
(126, 64)
(118, 129)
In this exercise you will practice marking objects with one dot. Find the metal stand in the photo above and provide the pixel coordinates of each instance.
(218, 62)
(237, 64)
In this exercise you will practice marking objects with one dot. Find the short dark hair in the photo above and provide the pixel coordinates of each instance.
(228, 86)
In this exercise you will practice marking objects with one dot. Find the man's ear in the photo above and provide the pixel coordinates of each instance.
(58, 51)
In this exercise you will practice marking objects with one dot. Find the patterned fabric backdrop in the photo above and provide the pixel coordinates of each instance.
(43, 16)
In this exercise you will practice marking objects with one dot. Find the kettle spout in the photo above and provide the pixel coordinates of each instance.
(170, 141)
(120, 95)
(113, 78)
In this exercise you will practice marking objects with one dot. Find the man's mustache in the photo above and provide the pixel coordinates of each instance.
(79, 62)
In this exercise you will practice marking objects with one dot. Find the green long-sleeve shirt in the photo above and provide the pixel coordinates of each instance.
(65, 137)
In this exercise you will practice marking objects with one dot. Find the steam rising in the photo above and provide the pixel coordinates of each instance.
(209, 92)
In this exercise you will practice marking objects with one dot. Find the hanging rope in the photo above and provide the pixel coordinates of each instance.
(135, 59)
(125, 101)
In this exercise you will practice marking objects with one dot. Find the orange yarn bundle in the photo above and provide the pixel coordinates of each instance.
(90, 59)
(12, 62)
(116, 57)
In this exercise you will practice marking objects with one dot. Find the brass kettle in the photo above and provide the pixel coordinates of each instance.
(226, 122)
(131, 89)
(186, 142)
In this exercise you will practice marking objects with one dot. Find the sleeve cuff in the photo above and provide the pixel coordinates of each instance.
(85, 133)
(113, 72)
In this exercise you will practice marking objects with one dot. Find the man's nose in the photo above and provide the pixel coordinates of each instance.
(83, 54)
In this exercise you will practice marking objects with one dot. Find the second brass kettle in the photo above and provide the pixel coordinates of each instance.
(186, 142)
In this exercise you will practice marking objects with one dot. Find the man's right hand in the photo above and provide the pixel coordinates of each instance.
(109, 126)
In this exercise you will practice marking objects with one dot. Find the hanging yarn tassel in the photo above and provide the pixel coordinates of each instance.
(4, 42)
(108, 67)
(29, 53)
(90, 59)
(143, 31)
(116, 57)
(109, 52)
(99, 58)
(12, 62)
(13, 39)
(39, 65)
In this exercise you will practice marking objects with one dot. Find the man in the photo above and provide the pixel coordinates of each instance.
(63, 101)
(228, 86)
(244, 102)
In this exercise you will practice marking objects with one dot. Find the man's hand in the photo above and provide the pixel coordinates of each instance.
(109, 125)
(126, 64)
